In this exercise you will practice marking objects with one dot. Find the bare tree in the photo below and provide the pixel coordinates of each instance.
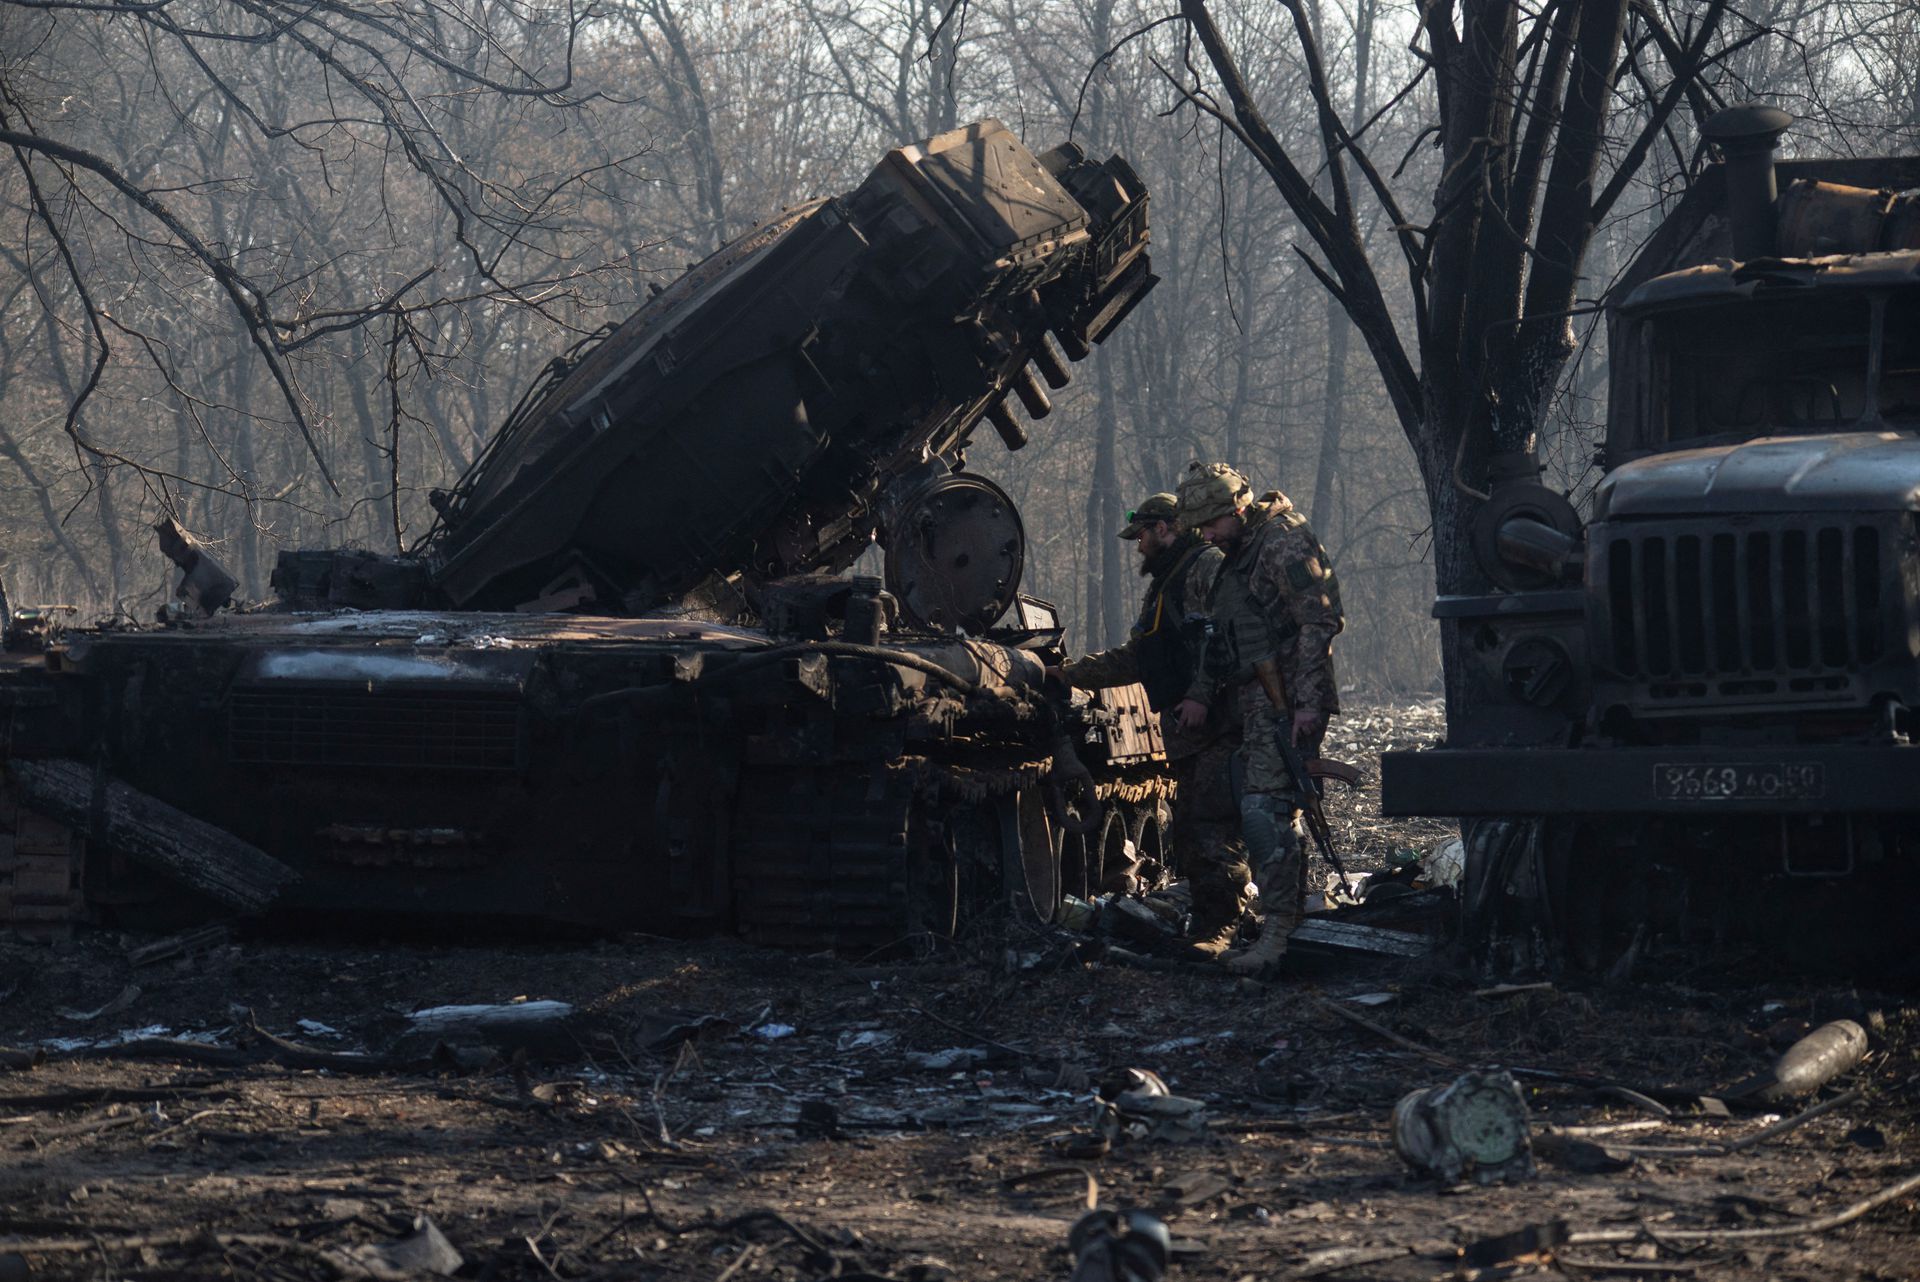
(1541, 119)
(189, 173)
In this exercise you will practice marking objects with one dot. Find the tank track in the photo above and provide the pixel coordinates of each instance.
(905, 854)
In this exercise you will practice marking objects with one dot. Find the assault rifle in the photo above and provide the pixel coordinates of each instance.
(1267, 673)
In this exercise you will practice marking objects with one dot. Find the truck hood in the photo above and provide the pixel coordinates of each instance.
(1854, 471)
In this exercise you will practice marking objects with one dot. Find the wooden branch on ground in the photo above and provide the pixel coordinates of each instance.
(1382, 1031)
(149, 831)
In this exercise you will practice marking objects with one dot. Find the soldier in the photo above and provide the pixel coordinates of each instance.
(1275, 603)
(1163, 654)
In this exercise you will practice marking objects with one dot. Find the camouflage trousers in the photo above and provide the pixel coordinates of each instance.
(1262, 725)
(1269, 811)
(1279, 857)
(1207, 846)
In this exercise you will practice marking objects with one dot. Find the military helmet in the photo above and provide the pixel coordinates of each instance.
(1212, 490)
(1158, 507)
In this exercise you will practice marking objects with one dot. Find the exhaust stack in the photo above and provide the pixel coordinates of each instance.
(1746, 136)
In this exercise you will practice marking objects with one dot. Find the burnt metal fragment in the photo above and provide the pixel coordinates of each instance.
(1476, 1126)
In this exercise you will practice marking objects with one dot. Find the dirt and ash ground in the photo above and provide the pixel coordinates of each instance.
(711, 1111)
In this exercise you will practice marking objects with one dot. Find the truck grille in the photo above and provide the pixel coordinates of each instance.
(445, 730)
(1791, 609)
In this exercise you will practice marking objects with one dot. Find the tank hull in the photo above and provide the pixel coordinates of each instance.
(651, 774)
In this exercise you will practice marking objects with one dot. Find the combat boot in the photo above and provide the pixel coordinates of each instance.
(1265, 952)
(1273, 843)
(1219, 906)
(1208, 937)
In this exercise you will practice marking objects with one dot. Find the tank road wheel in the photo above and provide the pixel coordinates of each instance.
(978, 862)
(1113, 865)
(970, 843)
(1079, 875)
(1032, 878)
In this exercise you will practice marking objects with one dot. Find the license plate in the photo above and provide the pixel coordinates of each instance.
(1746, 781)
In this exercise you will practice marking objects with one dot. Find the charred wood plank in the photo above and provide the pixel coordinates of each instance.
(121, 818)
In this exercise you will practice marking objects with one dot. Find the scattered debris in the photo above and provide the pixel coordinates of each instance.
(818, 1120)
(1119, 1246)
(1514, 990)
(1445, 863)
(1195, 1188)
(1475, 1126)
(1536, 1241)
(546, 1026)
(1173, 1044)
(182, 945)
(947, 1061)
(1387, 1034)
(1135, 1104)
(1579, 1155)
(1534, 1244)
(664, 1030)
(1759, 1137)
(127, 997)
(772, 1032)
(1334, 935)
(18, 1060)
(1808, 1064)
(425, 1250)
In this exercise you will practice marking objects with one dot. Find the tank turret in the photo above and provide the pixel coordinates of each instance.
(812, 385)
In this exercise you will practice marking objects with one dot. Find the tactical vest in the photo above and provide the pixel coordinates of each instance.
(1243, 633)
(1169, 646)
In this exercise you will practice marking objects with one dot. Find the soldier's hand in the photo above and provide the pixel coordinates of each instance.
(1308, 725)
(1190, 714)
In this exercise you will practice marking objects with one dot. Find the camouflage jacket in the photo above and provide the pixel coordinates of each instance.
(1277, 596)
(1197, 566)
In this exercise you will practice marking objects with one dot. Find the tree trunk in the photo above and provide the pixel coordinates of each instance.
(1106, 608)
(1339, 329)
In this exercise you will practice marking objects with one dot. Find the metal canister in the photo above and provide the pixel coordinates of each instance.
(1475, 1126)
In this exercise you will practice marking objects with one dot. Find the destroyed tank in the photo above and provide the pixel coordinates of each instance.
(626, 683)
(1695, 713)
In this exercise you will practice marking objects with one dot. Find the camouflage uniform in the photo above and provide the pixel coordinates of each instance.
(1276, 597)
(1205, 834)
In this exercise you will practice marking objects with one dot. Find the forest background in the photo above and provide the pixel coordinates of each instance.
(278, 269)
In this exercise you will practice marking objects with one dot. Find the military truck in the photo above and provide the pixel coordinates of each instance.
(626, 682)
(1695, 712)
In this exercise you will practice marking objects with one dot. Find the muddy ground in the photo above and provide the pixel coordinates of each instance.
(715, 1112)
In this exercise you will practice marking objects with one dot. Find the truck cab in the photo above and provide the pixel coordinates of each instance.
(1710, 686)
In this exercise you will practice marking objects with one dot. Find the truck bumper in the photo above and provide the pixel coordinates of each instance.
(1698, 782)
